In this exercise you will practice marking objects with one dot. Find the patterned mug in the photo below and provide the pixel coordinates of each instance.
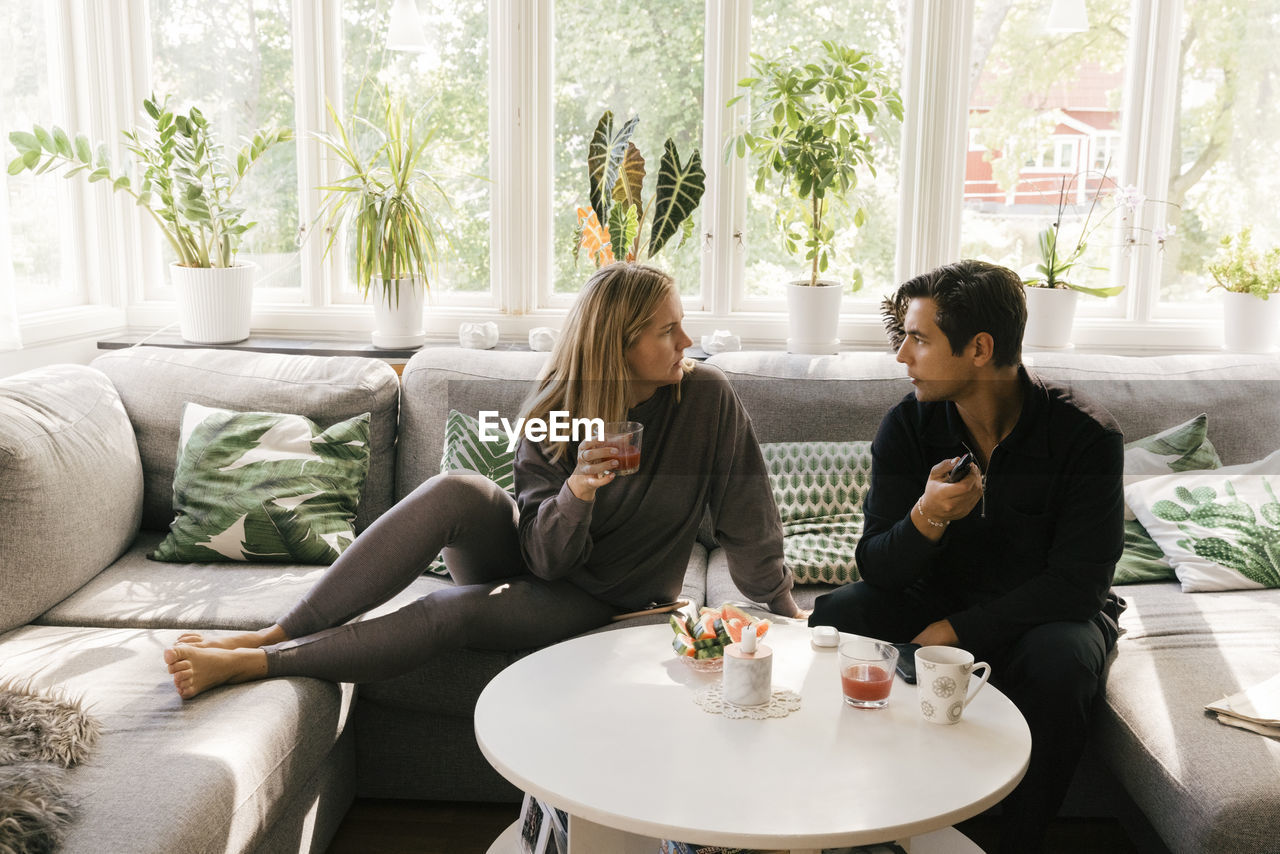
(942, 676)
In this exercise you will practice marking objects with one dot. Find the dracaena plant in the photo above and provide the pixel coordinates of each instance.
(387, 196)
(810, 126)
(621, 224)
(181, 178)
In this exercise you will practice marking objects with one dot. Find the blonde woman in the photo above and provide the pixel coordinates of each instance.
(577, 544)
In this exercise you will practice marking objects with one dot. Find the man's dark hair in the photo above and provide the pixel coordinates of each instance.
(972, 297)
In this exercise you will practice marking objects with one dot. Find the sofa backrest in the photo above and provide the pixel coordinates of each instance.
(439, 379)
(154, 383)
(70, 486)
(1240, 393)
(844, 397)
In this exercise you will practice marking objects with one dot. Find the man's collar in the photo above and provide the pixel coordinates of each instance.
(944, 427)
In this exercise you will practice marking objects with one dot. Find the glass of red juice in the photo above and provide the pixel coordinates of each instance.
(866, 672)
(625, 436)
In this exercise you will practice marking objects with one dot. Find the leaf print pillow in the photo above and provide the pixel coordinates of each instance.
(1220, 529)
(264, 487)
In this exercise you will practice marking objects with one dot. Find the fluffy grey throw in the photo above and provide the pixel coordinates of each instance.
(40, 736)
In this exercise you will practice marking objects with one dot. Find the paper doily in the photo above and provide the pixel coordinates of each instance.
(781, 703)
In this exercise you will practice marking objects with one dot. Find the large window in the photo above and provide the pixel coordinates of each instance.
(1225, 145)
(1037, 101)
(234, 61)
(1003, 127)
(650, 68)
(446, 87)
(864, 256)
(38, 207)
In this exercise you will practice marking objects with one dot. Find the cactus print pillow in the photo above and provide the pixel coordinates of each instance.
(1220, 529)
(264, 487)
(819, 488)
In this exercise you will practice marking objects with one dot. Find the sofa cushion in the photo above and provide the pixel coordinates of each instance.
(440, 379)
(155, 382)
(135, 592)
(828, 399)
(464, 449)
(1219, 529)
(265, 486)
(1183, 447)
(721, 588)
(819, 488)
(1204, 786)
(70, 485)
(168, 776)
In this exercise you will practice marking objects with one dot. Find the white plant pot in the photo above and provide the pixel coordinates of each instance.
(215, 304)
(1050, 315)
(1249, 324)
(398, 324)
(813, 317)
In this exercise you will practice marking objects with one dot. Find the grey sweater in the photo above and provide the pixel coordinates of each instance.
(630, 546)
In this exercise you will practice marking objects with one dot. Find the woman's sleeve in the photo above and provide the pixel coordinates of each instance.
(745, 515)
(555, 535)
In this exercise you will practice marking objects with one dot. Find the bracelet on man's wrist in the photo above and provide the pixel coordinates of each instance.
(932, 522)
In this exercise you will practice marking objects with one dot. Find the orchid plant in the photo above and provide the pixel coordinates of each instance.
(1056, 264)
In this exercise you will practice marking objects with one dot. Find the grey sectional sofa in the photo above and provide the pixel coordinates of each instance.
(86, 465)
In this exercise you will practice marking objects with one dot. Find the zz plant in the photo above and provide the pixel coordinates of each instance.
(183, 181)
(621, 224)
(810, 125)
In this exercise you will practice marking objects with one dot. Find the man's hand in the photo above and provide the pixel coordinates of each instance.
(944, 502)
(937, 634)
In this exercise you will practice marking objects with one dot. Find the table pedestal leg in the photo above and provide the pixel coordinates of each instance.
(587, 837)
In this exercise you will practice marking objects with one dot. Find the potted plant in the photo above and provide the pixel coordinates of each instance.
(1251, 319)
(620, 225)
(810, 126)
(388, 198)
(186, 185)
(1051, 296)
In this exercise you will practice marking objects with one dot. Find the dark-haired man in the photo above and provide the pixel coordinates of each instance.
(1014, 561)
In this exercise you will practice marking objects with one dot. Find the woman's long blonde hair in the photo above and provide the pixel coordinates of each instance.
(587, 374)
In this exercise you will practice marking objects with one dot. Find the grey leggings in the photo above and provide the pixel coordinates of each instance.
(496, 603)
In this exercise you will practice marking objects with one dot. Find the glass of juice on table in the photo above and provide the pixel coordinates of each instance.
(866, 672)
(625, 436)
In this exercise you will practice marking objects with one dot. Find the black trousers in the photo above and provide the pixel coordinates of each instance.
(1052, 673)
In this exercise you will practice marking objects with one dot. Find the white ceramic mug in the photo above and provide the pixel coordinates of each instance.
(942, 677)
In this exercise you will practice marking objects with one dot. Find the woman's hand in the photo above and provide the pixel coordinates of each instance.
(596, 463)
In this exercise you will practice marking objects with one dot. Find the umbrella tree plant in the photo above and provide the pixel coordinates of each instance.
(620, 224)
(810, 125)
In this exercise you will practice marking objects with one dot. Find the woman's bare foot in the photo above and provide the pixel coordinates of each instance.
(197, 669)
(244, 640)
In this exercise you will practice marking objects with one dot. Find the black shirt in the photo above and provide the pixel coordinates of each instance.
(1042, 544)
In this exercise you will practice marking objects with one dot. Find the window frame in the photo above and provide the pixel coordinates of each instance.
(106, 74)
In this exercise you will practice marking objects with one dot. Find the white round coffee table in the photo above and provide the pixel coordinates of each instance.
(605, 727)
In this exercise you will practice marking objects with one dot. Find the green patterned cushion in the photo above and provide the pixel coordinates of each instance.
(819, 488)
(264, 486)
(1220, 529)
(1185, 447)
(464, 450)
